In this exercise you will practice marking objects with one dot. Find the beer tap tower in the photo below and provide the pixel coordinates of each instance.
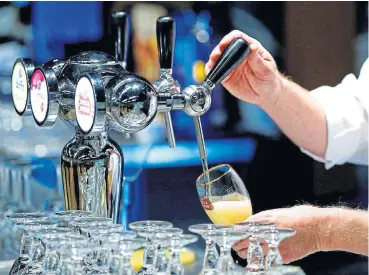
(93, 93)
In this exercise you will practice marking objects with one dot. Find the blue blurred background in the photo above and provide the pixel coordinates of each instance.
(161, 182)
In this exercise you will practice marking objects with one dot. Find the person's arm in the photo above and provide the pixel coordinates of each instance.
(300, 117)
(344, 230)
(330, 123)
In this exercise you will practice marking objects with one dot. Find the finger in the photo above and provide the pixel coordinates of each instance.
(257, 60)
(240, 245)
(228, 40)
(216, 54)
(243, 253)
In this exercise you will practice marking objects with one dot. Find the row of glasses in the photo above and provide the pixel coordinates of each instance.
(161, 236)
(78, 242)
(225, 236)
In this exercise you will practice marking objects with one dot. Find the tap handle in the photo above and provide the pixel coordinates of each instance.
(233, 55)
(21, 75)
(165, 33)
(120, 22)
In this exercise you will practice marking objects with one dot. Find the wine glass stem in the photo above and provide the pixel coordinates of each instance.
(255, 255)
(211, 255)
(176, 266)
(162, 260)
(150, 254)
(25, 246)
(273, 258)
(225, 261)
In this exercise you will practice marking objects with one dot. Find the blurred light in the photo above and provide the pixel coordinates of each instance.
(16, 124)
(200, 25)
(202, 36)
(198, 71)
(40, 150)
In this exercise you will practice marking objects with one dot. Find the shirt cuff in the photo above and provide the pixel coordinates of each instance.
(343, 124)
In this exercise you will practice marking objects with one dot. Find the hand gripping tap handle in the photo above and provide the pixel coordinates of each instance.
(233, 55)
(120, 22)
(165, 32)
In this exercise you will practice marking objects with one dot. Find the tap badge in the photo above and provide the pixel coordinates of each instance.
(85, 104)
(39, 96)
(19, 87)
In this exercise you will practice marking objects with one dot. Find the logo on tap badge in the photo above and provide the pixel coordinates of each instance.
(85, 104)
(19, 87)
(39, 96)
(206, 204)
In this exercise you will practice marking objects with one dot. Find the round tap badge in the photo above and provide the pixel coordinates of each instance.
(39, 96)
(85, 104)
(19, 87)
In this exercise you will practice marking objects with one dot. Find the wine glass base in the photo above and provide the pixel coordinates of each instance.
(209, 272)
(147, 271)
(254, 269)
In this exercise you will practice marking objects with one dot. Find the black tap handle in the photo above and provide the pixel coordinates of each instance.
(120, 22)
(232, 56)
(165, 33)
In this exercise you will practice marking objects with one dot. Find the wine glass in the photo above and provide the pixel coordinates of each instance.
(255, 254)
(51, 260)
(121, 264)
(211, 254)
(223, 195)
(150, 250)
(175, 266)
(109, 244)
(225, 238)
(273, 238)
(285, 270)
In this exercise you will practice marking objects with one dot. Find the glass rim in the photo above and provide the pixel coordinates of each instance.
(211, 169)
(89, 220)
(71, 213)
(140, 225)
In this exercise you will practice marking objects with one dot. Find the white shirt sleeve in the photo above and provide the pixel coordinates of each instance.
(346, 108)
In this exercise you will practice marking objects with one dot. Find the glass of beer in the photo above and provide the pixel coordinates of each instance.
(223, 195)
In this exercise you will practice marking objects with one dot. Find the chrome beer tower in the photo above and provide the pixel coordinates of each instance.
(93, 93)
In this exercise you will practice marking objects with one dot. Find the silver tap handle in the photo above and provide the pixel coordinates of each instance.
(201, 146)
(170, 130)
